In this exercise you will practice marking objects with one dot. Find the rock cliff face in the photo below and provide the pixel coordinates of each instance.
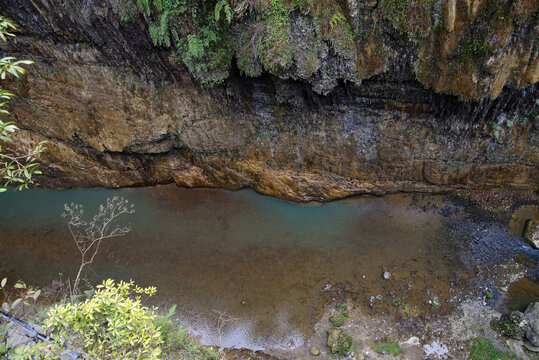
(118, 111)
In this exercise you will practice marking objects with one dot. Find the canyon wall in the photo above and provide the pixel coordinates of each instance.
(116, 110)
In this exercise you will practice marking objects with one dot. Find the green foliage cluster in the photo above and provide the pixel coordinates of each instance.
(339, 319)
(339, 342)
(408, 16)
(473, 46)
(510, 325)
(195, 30)
(177, 344)
(398, 10)
(277, 52)
(206, 34)
(403, 308)
(14, 170)
(483, 349)
(341, 35)
(112, 324)
(479, 40)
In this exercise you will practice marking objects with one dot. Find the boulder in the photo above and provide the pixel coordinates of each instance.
(531, 316)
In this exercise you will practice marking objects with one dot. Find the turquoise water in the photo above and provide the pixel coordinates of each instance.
(250, 265)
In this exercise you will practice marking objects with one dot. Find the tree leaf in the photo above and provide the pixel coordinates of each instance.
(15, 303)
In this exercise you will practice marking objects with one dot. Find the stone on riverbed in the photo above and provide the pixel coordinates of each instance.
(334, 335)
(339, 342)
(531, 316)
(338, 320)
(531, 232)
(413, 341)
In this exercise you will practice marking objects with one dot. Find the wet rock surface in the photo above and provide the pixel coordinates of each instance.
(120, 113)
(531, 316)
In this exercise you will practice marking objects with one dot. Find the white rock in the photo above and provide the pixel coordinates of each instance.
(413, 341)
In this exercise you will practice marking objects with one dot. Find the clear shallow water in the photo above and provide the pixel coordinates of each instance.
(245, 270)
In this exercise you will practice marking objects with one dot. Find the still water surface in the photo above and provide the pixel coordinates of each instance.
(251, 265)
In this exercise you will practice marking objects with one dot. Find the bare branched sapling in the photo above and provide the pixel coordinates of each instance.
(88, 236)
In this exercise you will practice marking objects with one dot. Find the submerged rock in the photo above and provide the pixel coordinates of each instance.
(339, 342)
(338, 320)
(334, 335)
(531, 316)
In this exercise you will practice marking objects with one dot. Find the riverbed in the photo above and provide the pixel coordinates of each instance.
(251, 271)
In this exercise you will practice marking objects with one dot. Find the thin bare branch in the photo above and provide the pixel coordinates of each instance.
(89, 235)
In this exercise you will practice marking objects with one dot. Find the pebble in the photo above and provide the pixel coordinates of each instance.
(413, 341)
(327, 287)
(386, 275)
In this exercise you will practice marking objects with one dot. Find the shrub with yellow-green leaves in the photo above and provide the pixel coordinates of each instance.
(112, 324)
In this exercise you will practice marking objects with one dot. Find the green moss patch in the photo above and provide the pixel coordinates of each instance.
(483, 349)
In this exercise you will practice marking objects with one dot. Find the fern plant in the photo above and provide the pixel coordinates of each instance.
(195, 46)
(337, 19)
(195, 30)
(225, 6)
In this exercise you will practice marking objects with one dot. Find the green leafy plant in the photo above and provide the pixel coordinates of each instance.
(510, 325)
(177, 343)
(17, 170)
(276, 49)
(337, 19)
(224, 6)
(113, 324)
(403, 308)
(195, 46)
(194, 32)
